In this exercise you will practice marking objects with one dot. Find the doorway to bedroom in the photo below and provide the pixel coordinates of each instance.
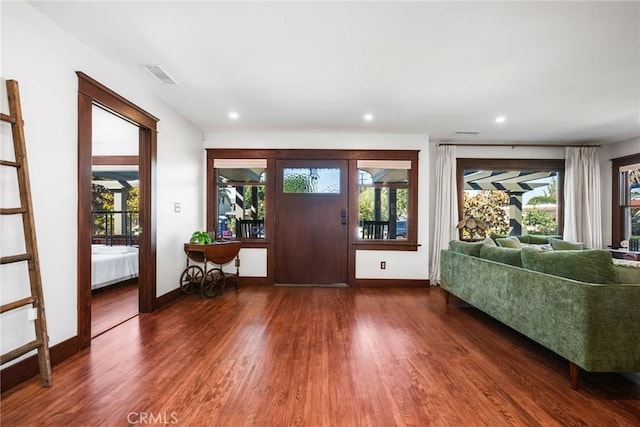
(93, 96)
(115, 217)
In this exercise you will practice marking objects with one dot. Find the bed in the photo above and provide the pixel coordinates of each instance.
(112, 264)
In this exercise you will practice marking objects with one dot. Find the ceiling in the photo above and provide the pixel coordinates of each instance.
(559, 72)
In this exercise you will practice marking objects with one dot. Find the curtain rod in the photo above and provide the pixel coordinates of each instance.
(515, 145)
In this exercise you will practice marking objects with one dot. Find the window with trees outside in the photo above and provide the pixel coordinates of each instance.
(626, 199)
(240, 190)
(511, 197)
(115, 205)
(383, 199)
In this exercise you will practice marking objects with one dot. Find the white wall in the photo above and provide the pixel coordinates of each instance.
(612, 151)
(43, 59)
(400, 265)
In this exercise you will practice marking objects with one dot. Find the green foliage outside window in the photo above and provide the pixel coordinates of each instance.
(490, 207)
(299, 183)
(540, 222)
(101, 200)
(366, 202)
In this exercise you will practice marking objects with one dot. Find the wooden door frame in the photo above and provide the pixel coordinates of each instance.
(91, 92)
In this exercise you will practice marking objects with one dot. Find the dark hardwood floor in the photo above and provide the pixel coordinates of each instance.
(319, 357)
(113, 305)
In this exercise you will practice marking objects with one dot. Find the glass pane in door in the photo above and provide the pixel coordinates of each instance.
(311, 181)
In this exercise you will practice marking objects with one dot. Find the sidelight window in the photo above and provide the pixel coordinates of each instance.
(240, 201)
(626, 199)
(383, 199)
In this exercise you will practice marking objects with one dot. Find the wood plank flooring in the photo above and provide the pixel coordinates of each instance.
(113, 305)
(281, 356)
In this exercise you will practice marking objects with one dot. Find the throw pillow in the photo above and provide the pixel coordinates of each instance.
(626, 271)
(590, 266)
(562, 245)
(541, 240)
(468, 248)
(509, 242)
(502, 255)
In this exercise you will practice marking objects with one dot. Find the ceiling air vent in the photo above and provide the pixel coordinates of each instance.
(465, 132)
(161, 75)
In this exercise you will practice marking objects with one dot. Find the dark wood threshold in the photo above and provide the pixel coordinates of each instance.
(21, 371)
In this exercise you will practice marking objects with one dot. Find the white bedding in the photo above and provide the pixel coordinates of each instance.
(112, 264)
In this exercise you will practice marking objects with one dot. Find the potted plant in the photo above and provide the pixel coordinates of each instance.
(200, 237)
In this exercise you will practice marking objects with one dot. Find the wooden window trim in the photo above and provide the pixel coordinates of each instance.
(617, 213)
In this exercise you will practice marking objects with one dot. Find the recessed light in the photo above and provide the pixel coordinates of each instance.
(368, 117)
(500, 119)
(233, 115)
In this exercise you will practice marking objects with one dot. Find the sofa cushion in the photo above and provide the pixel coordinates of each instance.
(627, 272)
(509, 242)
(563, 245)
(523, 238)
(590, 266)
(541, 240)
(469, 248)
(502, 255)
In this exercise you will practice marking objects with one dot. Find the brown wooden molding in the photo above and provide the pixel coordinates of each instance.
(385, 245)
(254, 281)
(114, 102)
(115, 160)
(617, 215)
(392, 283)
(28, 368)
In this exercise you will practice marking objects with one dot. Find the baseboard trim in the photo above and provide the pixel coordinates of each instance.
(21, 371)
(250, 281)
(168, 298)
(392, 283)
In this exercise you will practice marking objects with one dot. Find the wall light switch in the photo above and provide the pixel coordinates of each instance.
(32, 314)
(177, 207)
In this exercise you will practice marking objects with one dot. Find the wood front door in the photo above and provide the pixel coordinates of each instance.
(311, 221)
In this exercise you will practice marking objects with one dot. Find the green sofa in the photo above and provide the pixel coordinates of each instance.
(594, 326)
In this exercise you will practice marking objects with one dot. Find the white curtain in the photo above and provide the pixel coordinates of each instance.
(582, 205)
(446, 209)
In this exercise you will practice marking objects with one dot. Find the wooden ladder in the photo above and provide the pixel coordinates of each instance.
(41, 342)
